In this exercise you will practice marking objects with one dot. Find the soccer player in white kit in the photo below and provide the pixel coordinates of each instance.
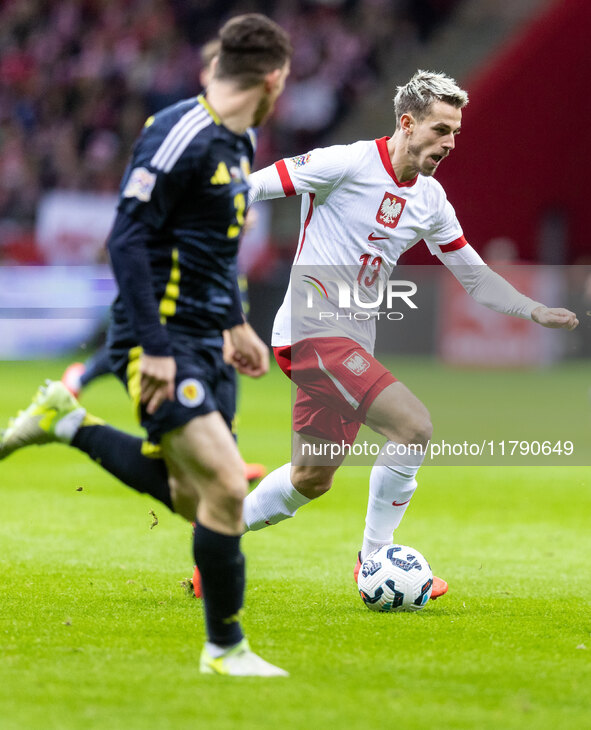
(363, 205)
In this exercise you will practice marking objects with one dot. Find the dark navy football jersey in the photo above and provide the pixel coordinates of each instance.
(187, 183)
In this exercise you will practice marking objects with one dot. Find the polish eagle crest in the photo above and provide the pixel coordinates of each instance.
(390, 210)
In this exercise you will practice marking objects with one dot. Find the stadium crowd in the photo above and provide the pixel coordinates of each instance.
(79, 77)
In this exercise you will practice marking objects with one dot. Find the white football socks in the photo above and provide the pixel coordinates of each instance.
(273, 500)
(391, 486)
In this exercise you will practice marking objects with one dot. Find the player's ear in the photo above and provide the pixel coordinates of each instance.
(407, 122)
(272, 79)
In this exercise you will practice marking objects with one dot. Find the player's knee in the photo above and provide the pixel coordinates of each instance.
(224, 500)
(184, 499)
(311, 481)
(423, 430)
(415, 430)
(230, 491)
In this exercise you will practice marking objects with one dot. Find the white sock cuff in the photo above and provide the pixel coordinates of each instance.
(67, 427)
(275, 499)
(405, 459)
(291, 495)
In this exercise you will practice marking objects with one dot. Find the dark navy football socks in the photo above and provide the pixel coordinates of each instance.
(98, 365)
(222, 568)
(121, 455)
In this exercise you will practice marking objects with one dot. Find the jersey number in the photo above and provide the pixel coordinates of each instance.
(375, 265)
(240, 207)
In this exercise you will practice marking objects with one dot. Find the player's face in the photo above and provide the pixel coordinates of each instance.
(432, 139)
(273, 89)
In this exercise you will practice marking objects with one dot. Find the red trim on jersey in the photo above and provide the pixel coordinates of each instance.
(286, 182)
(387, 163)
(308, 218)
(454, 245)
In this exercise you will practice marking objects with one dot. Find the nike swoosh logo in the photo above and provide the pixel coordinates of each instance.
(372, 237)
(399, 504)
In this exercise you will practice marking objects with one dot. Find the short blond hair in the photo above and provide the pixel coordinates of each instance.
(423, 90)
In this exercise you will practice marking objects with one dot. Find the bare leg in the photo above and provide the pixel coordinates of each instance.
(206, 473)
(282, 492)
(400, 416)
(207, 479)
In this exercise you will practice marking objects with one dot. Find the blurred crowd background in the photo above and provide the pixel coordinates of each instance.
(79, 77)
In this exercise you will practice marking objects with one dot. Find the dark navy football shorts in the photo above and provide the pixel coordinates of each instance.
(204, 383)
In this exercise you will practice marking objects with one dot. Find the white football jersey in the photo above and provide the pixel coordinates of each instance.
(357, 219)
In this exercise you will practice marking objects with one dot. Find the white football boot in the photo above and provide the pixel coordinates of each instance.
(239, 661)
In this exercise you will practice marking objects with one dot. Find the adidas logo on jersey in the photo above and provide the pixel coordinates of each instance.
(221, 176)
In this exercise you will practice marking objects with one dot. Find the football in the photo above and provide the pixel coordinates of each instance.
(395, 578)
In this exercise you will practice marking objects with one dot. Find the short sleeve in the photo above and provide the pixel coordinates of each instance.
(317, 171)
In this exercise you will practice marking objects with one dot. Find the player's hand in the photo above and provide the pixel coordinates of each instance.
(228, 348)
(555, 317)
(251, 219)
(157, 376)
(251, 355)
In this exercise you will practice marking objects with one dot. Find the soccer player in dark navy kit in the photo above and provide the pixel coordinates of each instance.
(173, 248)
(78, 375)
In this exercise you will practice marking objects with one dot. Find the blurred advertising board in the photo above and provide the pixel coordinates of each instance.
(50, 310)
(472, 335)
(72, 227)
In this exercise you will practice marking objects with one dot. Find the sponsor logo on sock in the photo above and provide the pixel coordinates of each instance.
(234, 618)
(399, 504)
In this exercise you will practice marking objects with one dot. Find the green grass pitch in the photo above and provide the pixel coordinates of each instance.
(97, 632)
